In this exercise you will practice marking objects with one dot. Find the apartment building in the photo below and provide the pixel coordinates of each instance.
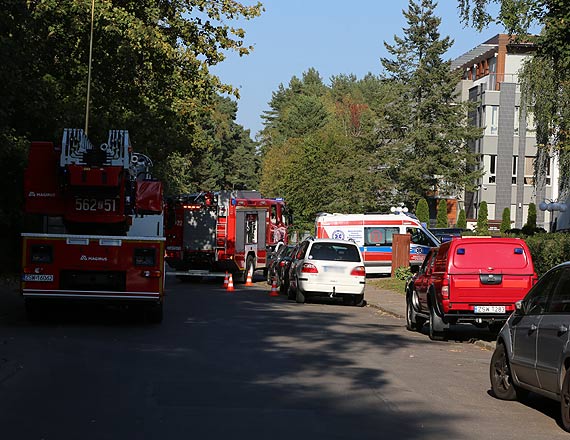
(508, 147)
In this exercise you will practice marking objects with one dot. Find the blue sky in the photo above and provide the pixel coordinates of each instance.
(335, 37)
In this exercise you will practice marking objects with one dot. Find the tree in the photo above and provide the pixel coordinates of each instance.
(442, 214)
(422, 211)
(461, 220)
(544, 84)
(482, 221)
(433, 153)
(531, 218)
(506, 220)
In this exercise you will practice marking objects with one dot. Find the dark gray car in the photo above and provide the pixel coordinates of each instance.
(532, 352)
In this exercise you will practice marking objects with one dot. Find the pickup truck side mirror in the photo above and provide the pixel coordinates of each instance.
(519, 308)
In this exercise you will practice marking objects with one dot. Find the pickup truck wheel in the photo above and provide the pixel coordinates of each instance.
(414, 322)
(437, 329)
(502, 378)
(565, 402)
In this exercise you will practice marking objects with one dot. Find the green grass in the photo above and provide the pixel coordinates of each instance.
(388, 283)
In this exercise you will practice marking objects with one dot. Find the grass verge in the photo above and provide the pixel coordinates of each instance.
(388, 283)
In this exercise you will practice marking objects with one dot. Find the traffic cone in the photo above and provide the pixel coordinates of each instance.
(230, 287)
(274, 291)
(226, 279)
(248, 281)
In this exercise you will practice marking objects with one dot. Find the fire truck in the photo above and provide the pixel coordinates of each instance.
(214, 232)
(98, 230)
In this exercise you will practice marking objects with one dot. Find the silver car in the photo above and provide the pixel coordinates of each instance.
(327, 268)
(533, 352)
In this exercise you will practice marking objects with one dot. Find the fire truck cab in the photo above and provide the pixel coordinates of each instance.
(212, 232)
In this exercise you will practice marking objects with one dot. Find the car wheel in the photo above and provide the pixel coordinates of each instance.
(437, 329)
(299, 296)
(358, 300)
(290, 292)
(414, 323)
(502, 378)
(565, 402)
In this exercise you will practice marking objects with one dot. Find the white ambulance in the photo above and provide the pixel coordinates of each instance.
(373, 233)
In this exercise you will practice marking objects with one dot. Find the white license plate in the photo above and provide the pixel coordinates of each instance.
(333, 269)
(38, 277)
(489, 309)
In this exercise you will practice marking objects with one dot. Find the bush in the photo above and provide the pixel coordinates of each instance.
(482, 221)
(506, 220)
(442, 214)
(422, 211)
(548, 250)
(461, 220)
(403, 273)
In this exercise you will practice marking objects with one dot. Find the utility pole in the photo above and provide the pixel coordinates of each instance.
(89, 71)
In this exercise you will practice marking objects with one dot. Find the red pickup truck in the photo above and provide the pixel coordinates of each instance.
(469, 279)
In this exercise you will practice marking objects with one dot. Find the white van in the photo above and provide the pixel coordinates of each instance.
(373, 234)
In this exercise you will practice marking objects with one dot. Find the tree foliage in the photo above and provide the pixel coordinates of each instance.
(506, 220)
(434, 156)
(461, 219)
(482, 219)
(441, 219)
(422, 211)
(150, 75)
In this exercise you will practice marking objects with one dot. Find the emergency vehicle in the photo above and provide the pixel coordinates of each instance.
(99, 225)
(373, 233)
(212, 232)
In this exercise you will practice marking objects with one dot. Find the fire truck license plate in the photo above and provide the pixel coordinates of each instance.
(37, 277)
(489, 309)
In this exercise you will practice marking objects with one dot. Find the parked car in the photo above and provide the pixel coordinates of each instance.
(470, 279)
(533, 348)
(327, 268)
(446, 234)
(275, 259)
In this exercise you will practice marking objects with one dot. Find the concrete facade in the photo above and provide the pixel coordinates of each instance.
(508, 147)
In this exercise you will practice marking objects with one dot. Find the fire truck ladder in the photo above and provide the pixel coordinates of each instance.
(221, 234)
(78, 150)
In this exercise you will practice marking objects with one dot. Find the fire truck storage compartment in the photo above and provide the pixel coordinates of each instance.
(200, 229)
(253, 232)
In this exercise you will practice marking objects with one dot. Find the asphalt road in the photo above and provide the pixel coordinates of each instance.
(245, 365)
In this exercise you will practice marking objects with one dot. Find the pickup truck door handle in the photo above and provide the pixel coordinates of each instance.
(562, 329)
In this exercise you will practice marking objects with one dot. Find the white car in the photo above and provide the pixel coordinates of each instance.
(328, 268)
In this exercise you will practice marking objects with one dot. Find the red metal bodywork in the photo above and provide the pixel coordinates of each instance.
(87, 201)
(242, 226)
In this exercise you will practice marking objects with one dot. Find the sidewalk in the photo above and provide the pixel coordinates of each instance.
(394, 304)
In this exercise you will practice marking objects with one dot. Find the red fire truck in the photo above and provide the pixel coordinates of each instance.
(212, 232)
(98, 217)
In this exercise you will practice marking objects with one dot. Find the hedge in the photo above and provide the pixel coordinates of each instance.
(548, 250)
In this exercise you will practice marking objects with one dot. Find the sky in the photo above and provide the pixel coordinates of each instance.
(333, 36)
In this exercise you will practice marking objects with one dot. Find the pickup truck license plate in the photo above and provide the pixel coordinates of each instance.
(489, 309)
(37, 277)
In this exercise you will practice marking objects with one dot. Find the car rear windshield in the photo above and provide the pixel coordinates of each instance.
(334, 252)
(485, 254)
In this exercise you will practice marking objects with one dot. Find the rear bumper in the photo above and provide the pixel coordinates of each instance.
(476, 317)
(325, 289)
(92, 295)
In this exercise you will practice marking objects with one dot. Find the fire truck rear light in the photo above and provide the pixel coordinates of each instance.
(309, 268)
(358, 271)
(145, 257)
(151, 273)
(41, 253)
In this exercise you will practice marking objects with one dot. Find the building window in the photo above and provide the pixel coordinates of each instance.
(492, 168)
(492, 119)
(529, 170)
(517, 115)
(514, 175)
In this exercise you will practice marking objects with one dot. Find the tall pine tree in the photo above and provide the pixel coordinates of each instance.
(432, 155)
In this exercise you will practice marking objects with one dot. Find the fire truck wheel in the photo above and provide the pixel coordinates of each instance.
(154, 313)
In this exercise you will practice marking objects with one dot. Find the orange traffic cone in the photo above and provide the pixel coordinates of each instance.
(226, 279)
(248, 281)
(230, 287)
(274, 289)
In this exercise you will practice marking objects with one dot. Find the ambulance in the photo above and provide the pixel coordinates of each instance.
(373, 233)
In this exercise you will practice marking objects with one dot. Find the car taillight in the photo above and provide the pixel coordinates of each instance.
(358, 271)
(282, 264)
(445, 288)
(309, 268)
